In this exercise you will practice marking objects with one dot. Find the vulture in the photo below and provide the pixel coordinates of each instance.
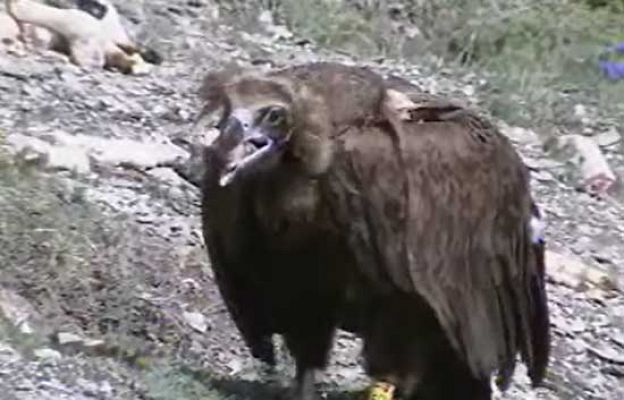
(336, 198)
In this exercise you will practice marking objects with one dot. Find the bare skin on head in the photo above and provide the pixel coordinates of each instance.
(87, 41)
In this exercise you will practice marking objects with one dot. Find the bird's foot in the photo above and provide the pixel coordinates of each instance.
(380, 391)
(270, 374)
(305, 386)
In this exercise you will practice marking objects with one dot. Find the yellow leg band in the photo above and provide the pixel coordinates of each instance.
(381, 391)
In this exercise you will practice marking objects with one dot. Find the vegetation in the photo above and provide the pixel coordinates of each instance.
(167, 382)
(76, 265)
(70, 260)
(540, 57)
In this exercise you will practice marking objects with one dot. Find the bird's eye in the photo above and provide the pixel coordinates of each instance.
(275, 115)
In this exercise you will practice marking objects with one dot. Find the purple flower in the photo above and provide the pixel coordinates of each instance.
(619, 47)
(612, 69)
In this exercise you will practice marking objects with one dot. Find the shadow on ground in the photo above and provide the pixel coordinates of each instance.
(240, 389)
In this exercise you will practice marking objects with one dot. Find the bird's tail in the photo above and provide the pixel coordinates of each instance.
(537, 360)
(535, 342)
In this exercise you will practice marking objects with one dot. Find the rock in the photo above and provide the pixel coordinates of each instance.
(614, 370)
(50, 157)
(469, 90)
(235, 365)
(70, 159)
(580, 110)
(89, 388)
(54, 385)
(69, 339)
(8, 354)
(138, 154)
(72, 152)
(608, 138)
(47, 354)
(94, 347)
(196, 321)
(167, 176)
(571, 271)
(17, 310)
(581, 113)
(145, 217)
(518, 134)
(25, 146)
(24, 385)
(99, 112)
(105, 389)
(607, 353)
(543, 176)
(619, 340)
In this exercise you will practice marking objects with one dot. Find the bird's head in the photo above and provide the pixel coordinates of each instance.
(262, 119)
(258, 134)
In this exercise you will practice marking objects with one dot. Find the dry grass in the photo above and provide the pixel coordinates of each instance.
(75, 265)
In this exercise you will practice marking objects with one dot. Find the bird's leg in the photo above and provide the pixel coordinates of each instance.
(268, 372)
(305, 382)
(310, 350)
(381, 389)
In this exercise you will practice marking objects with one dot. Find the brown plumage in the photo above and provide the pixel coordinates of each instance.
(324, 206)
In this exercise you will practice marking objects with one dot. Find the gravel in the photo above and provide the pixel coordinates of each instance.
(43, 98)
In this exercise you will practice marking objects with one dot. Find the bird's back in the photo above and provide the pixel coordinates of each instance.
(441, 207)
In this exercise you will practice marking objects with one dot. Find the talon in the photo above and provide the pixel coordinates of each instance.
(381, 391)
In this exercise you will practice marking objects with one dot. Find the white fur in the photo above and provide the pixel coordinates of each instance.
(91, 41)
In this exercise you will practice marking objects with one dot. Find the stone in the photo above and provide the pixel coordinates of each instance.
(571, 271)
(68, 158)
(68, 338)
(167, 176)
(8, 354)
(607, 353)
(580, 110)
(196, 321)
(47, 354)
(469, 90)
(106, 389)
(608, 138)
(518, 134)
(17, 310)
(48, 156)
(94, 346)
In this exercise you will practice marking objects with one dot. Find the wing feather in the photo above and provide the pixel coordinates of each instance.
(441, 208)
(227, 231)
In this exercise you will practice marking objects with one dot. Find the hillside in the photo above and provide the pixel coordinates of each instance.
(105, 286)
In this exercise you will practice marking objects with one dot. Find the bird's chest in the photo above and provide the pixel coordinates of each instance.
(288, 214)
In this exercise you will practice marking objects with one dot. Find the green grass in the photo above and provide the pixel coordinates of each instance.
(46, 236)
(539, 56)
(74, 264)
(167, 382)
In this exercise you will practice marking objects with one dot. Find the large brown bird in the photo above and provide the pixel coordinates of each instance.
(327, 203)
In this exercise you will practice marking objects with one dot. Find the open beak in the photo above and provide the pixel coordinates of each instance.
(251, 145)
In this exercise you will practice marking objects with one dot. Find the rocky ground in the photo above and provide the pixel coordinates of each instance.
(137, 316)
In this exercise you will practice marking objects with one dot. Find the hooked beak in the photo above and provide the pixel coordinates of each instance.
(250, 146)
